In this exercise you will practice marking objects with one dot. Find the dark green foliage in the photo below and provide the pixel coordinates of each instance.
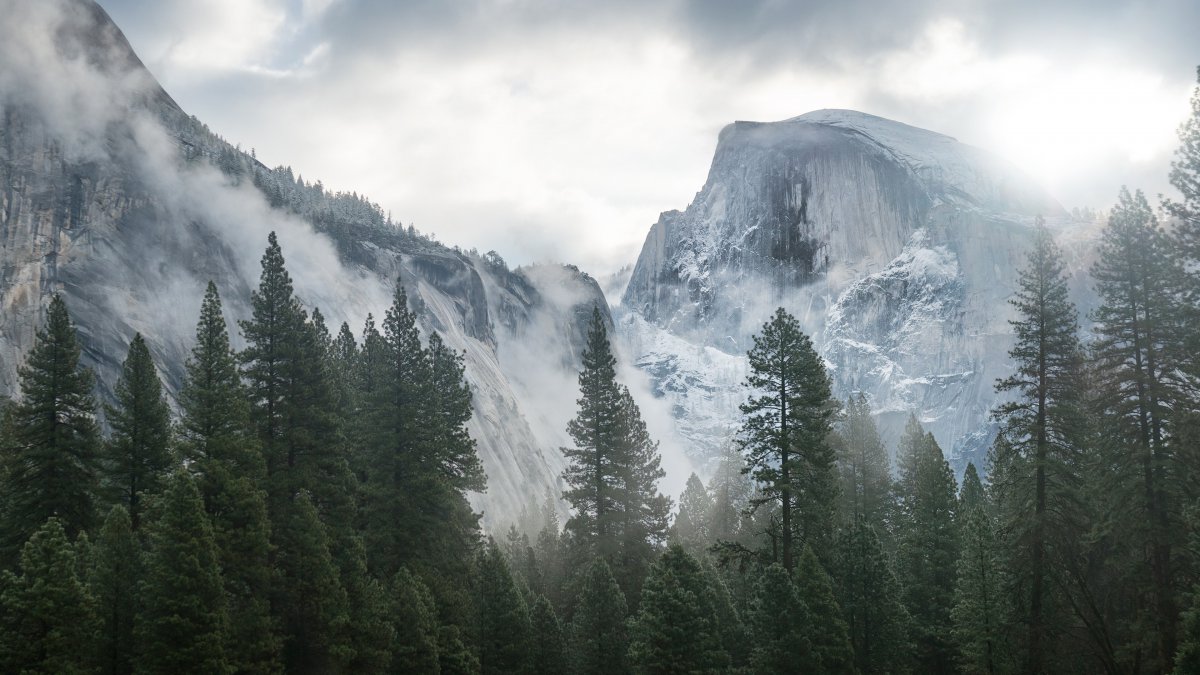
(1187, 658)
(216, 439)
(414, 617)
(613, 470)
(416, 450)
(972, 493)
(310, 602)
(370, 632)
(549, 655)
(113, 580)
(780, 626)
(676, 628)
(599, 641)
(1041, 431)
(137, 457)
(691, 522)
(181, 625)
(731, 629)
(48, 622)
(785, 434)
(1138, 354)
(454, 657)
(829, 635)
(293, 407)
(980, 607)
(869, 595)
(505, 640)
(50, 455)
(927, 546)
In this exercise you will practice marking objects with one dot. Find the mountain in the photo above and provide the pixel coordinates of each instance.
(896, 247)
(115, 197)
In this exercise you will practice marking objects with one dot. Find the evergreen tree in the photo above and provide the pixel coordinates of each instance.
(869, 595)
(927, 546)
(138, 455)
(420, 460)
(414, 616)
(691, 522)
(47, 616)
(972, 493)
(599, 641)
(829, 634)
(49, 464)
(505, 640)
(730, 627)
(549, 647)
(309, 601)
(308, 483)
(676, 628)
(1139, 324)
(292, 400)
(217, 441)
(785, 432)
(1041, 428)
(613, 471)
(114, 575)
(781, 627)
(367, 644)
(181, 625)
(979, 609)
(454, 657)
(866, 476)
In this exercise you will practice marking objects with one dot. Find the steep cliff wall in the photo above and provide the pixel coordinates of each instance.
(114, 197)
(896, 247)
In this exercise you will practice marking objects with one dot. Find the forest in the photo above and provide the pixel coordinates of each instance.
(306, 511)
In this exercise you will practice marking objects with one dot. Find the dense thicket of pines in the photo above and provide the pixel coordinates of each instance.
(306, 510)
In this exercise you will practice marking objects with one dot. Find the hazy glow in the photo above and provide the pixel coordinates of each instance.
(1067, 123)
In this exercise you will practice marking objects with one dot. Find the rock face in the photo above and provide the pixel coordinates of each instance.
(116, 198)
(897, 248)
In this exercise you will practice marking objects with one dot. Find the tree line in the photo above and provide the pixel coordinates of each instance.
(306, 511)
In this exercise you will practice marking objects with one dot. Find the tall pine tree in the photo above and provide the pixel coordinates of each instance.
(785, 433)
(980, 610)
(182, 623)
(217, 440)
(506, 642)
(50, 460)
(599, 640)
(676, 629)
(613, 470)
(137, 457)
(47, 615)
(927, 546)
(870, 597)
(114, 574)
(1139, 324)
(1041, 429)
(781, 626)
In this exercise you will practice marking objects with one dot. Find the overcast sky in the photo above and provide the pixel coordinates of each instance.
(559, 130)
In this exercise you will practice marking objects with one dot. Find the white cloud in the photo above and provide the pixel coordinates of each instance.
(565, 139)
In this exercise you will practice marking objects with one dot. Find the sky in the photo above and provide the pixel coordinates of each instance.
(558, 131)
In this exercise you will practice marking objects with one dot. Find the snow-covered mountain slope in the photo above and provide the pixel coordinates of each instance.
(896, 247)
(113, 196)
